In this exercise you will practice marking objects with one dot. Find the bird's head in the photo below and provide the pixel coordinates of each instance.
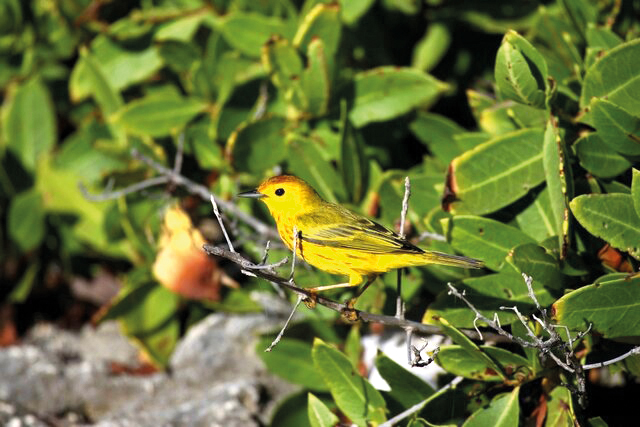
(285, 194)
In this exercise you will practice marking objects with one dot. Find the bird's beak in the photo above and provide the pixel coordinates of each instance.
(253, 194)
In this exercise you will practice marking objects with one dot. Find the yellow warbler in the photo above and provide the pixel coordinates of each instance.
(337, 240)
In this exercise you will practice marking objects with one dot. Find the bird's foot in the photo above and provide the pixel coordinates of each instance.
(311, 301)
(349, 313)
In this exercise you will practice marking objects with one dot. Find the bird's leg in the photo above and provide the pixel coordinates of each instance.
(350, 313)
(310, 302)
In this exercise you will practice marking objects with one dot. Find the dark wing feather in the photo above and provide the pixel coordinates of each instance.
(339, 228)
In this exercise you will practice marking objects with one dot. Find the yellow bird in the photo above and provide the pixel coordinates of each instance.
(337, 240)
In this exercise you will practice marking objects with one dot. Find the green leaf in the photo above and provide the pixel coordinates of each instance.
(315, 79)
(354, 165)
(180, 29)
(496, 173)
(635, 190)
(406, 388)
(89, 79)
(121, 67)
(437, 133)
(536, 220)
(148, 314)
(431, 47)
(611, 217)
(291, 360)
(247, 32)
(29, 124)
(534, 261)
(26, 220)
(22, 289)
(581, 13)
(459, 361)
(308, 159)
(617, 128)
(319, 414)
(598, 157)
(597, 422)
(560, 408)
(352, 10)
(521, 71)
(612, 307)
(483, 238)
(615, 77)
(159, 115)
(558, 177)
(258, 146)
(285, 67)
(323, 23)
(488, 293)
(384, 93)
(292, 411)
(352, 393)
(503, 411)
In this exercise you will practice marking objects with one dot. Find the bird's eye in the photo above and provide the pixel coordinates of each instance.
(279, 191)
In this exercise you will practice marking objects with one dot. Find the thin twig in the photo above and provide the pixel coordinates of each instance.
(403, 218)
(224, 229)
(270, 276)
(177, 164)
(281, 333)
(295, 250)
(635, 350)
(167, 175)
(418, 406)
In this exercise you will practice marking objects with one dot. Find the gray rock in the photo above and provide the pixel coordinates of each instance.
(215, 379)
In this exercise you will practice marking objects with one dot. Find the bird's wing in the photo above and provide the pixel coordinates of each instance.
(339, 228)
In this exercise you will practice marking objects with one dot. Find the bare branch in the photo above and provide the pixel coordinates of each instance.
(635, 350)
(281, 333)
(222, 227)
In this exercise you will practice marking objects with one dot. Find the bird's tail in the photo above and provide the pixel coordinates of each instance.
(452, 260)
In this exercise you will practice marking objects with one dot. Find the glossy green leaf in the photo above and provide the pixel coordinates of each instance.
(612, 307)
(598, 157)
(26, 220)
(123, 67)
(319, 414)
(406, 388)
(147, 313)
(89, 79)
(354, 165)
(458, 361)
(247, 32)
(59, 188)
(602, 37)
(181, 29)
(615, 77)
(558, 177)
(437, 133)
(291, 360)
(285, 67)
(352, 10)
(315, 79)
(560, 408)
(483, 238)
(259, 145)
(159, 115)
(292, 411)
(322, 22)
(384, 93)
(22, 289)
(488, 293)
(536, 220)
(308, 160)
(611, 217)
(581, 13)
(534, 261)
(618, 129)
(635, 190)
(496, 173)
(503, 411)
(521, 71)
(471, 349)
(431, 47)
(353, 394)
(28, 122)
